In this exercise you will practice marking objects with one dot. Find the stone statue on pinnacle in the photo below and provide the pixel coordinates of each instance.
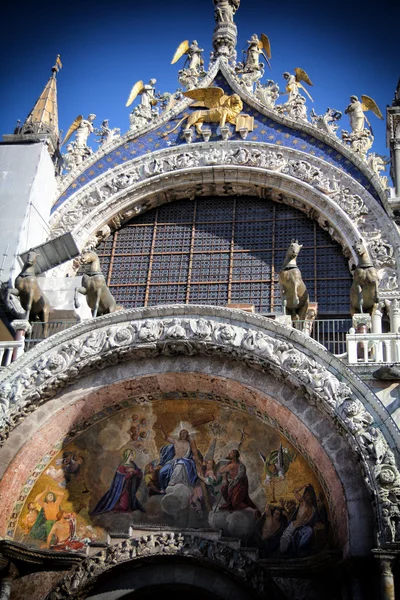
(225, 10)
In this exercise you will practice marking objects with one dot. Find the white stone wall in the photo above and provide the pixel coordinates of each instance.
(27, 191)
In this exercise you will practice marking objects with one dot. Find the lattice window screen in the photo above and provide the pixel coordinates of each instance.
(220, 251)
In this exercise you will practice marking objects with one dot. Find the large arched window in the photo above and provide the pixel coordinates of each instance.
(222, 251)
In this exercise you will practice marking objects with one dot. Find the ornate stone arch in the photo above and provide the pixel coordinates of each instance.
(337, 201)
(251, 341)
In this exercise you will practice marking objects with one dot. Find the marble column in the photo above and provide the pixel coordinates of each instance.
(387, 580)
(21, 328)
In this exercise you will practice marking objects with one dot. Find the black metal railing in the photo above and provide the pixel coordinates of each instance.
(38, 332)
(331, 333)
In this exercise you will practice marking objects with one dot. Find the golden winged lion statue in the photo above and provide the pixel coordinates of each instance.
(217, 107)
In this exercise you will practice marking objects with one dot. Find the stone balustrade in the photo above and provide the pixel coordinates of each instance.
(373, 347)
(10, 351)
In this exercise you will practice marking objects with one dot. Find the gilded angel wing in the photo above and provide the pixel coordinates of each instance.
(180, 51)
(73, 127)
(137, 88)
(369, 104)
(265, 44)
(302, 76)
(212, 97)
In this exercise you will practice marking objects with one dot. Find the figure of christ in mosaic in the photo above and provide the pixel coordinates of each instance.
(178, 460)
(121, 497)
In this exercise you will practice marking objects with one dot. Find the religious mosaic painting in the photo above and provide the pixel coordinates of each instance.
(182, 463)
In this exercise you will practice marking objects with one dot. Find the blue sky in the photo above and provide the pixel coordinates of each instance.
(345, 47)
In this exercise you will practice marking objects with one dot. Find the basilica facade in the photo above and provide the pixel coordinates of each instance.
(200, 346)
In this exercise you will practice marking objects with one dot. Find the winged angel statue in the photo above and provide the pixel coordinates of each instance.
(193, 68)
(147, 110)
(360, 139)
(217, 107)
(78, 150)
(293, 84)
(194, 60)
(356, 110)
(256, 47)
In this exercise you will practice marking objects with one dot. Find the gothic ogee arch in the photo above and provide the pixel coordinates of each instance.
(335, 185)
(252, 347)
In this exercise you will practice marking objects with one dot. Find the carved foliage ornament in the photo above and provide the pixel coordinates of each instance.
(166, 543)
(313, 173)
(42, 378)
(269, 159)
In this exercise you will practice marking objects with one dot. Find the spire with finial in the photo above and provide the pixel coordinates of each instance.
(42, 121)
(225, 32)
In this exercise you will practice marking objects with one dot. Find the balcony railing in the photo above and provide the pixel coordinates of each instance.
(9, 351)
(356, 348)
(37, 333)
(364, 348)
(331, 333)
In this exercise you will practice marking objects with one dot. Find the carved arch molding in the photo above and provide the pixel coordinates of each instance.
(213, 565)
(340, 204)
(252, 343)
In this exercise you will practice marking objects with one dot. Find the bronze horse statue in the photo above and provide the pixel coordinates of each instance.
(98, 296)
(364, 289)
(294, 293)
(30, 295)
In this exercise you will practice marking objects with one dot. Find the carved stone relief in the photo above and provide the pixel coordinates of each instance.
(40, 375)
(166, 543)
(362, 211)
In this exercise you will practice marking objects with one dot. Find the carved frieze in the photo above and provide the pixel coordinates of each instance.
(154, 544)
(361, 209)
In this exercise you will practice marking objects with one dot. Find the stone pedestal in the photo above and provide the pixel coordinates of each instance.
(362, 324)
(21, 328)
(377, 321)
(386, 561)
(224, 40)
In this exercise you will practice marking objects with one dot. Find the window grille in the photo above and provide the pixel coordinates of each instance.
(220, 251)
